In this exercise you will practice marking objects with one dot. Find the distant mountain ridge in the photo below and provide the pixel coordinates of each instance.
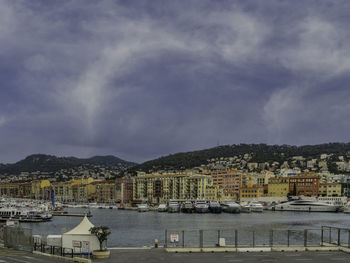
(260, 153)
(51, 163)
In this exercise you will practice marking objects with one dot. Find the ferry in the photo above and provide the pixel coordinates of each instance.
(24, 215)
(306, 206)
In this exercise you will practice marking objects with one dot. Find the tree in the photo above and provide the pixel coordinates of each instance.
(101, 232)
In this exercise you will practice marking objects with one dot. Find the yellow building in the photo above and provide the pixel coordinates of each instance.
(63, 191)
(278, 186)
(157, 188)
(261, 179)
(329, 189)
(82, 191)
(254, 191)
(41, 189)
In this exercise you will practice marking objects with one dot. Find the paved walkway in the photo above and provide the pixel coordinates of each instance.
(13, 256)
(160, 255)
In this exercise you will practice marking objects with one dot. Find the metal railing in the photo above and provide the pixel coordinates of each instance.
(59, 251)
(324, 236)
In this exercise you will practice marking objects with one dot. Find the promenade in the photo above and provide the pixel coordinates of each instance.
(160, 255)
(8, 255)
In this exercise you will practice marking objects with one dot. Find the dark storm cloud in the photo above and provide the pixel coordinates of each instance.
(141, 79)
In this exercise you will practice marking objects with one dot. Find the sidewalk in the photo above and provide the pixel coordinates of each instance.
(160, 255)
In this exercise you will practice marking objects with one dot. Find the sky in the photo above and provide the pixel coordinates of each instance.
(142, 79)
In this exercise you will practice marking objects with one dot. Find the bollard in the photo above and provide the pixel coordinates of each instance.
(253, 238)
(236, 238)
(338, 236)
(305, 237)
(322, 236)
(156, 243)
(201, 238)
(166, 238)
(183, 238)
(271, 238)
(218, 237)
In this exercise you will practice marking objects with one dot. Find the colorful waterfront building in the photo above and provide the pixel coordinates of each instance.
(105, 191)
(230, 181)
(41, 189)
(157, 188)
(306, 185)
(63, 191)
(124, 190)
(278, 186)
(330, 189)
(252, 192)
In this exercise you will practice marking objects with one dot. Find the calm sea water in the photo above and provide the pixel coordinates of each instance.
(133, 229)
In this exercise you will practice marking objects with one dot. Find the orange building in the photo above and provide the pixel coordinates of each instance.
(124, 190)
(304, 185)
(105, 191)
(229, 181)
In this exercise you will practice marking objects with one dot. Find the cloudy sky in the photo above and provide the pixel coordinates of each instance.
(141, 79)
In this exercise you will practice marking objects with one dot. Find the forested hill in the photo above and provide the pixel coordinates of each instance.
(259, 153)
(50, 163)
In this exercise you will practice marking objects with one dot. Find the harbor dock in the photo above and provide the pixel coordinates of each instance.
(65, 213)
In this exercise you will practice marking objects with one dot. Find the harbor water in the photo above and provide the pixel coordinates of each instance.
(134, 229)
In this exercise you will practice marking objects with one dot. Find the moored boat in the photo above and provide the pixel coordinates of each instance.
(24, 214)
(121, 206)
(256, 207)
(215, 207)
(306, 206)
(231, 207)
(346, 208)
(143, 208)
(162, 208)
(201, 206)
(245, 209)
(187, 207)
(174, 206)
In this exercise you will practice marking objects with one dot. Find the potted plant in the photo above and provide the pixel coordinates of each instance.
(101, 232)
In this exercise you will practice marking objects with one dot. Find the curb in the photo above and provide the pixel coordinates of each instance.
(254, 249)
(74, 259)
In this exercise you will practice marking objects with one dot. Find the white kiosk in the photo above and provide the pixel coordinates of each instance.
(80, 238)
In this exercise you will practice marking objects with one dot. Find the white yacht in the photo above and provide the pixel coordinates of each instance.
(174, 206)
(162, 208)
(245, 209)
(143, 208)
(347, 208)
(255, 207)
(306, 206)
(231, 207)
(201, 206)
